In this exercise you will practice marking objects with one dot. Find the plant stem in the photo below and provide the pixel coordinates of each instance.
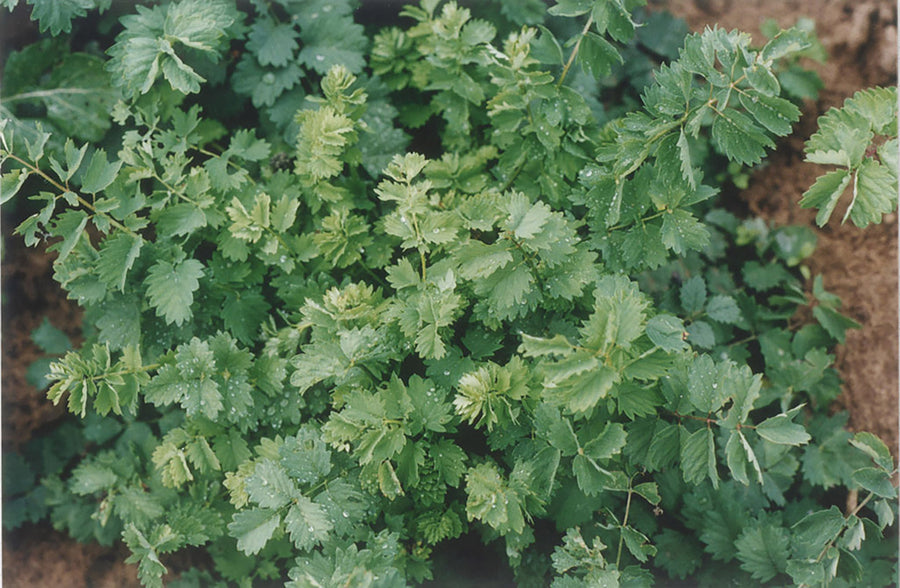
(63, 189)
(624, 523)
(584, 31)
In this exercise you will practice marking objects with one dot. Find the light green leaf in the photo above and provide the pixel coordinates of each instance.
(774, 113)
(638, 544)
(875, 480)
(739, 138)
(591, 478)
(782, 430)
(815, 530)
(308, 523)
(874, 448)
(57, 15)
(538, 347)
(609, 442)
(99, 173)
(253, 528)
(273, 44)
(825, 193)
(682, 232)
(117, 255)
(269, 485)
(706, 386)
(171, 287)
(667, 332)
(70, 226)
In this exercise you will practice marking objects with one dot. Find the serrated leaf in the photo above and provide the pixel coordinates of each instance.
(117, 255)
(149, 45)
(780, 429)
(591, 478)
(273, 44)
(706, 387)
(638, 544)
(687, 166)
(607, 443)
(253, 528)
(246, 146)
(825, 193)
(884, 512)
(538, 347)
(701, 335)
(875, 480)
(698, 457)
(99, 173)
(171, 287)
(556, 429)
(243, 313)
(738, 454)
(545, 48)
(70, 226)
(786, 42)
(181, 219)
(834, 322)
(57, 15)
(874, 448)
(667, 332)
(649, 491)
(144, 553)
(774, 113)
(571, 7)
(307, 523)
(89, 478)
(334, 41)
(525, 223)
(682, 232)
(491, 500)
(388, 483)
(723, 309)
(739, 138)
(597, 55)
(269, 485)
(51, 339)
(693, 294)
(763, 551)
(264, 85)
(449, 461)
(875, 194)
(815, 530)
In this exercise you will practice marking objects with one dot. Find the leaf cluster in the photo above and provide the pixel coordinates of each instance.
(320, 355)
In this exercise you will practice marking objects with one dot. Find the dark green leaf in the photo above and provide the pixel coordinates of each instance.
(875, 480)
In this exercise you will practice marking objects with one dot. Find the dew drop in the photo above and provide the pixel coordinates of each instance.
(320, 58)
(269, 78)
(345, 514)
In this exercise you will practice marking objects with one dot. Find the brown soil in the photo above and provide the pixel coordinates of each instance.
(858, 265)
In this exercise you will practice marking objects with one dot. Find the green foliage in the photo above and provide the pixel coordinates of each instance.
(861, 139)
(320, 356)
